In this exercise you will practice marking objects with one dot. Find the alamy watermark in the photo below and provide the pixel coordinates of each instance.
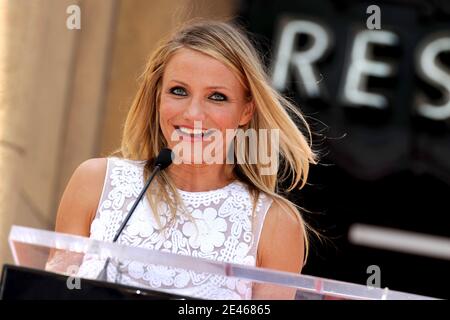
(374, 280)
(373, 22)
(73, 21)
(73, 282)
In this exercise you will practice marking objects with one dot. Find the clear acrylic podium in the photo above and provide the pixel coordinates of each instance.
(61, 256)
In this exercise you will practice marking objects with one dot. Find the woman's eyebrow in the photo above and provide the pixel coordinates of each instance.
(209, 87)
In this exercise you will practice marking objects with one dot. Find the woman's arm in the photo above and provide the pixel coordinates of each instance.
(77, 210)
(80, 198)
(281, 247)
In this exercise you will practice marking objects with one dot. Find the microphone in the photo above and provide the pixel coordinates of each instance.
(162, 161)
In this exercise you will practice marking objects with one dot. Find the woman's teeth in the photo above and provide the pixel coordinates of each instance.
(189, 131)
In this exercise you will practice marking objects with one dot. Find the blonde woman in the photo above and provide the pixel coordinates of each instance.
(205, 79)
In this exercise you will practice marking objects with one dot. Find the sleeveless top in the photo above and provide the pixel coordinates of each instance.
(223, 227)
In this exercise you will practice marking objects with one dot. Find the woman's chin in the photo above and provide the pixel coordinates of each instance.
(197, 160)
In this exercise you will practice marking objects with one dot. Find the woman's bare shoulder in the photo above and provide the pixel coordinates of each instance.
(81, 196)
(89, 176)
(281, 245)
(93, 165)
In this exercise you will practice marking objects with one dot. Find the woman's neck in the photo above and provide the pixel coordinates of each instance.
(196, 178)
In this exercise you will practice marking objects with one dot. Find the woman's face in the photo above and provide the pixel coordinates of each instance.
(200, 99)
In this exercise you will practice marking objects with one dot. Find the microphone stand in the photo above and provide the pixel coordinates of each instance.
(161, 163)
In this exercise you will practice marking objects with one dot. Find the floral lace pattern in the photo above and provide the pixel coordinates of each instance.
(223, 228)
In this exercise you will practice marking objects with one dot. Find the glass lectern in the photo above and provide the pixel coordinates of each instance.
(67, 266)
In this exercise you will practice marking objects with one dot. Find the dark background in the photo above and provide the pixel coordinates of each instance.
(379, 167)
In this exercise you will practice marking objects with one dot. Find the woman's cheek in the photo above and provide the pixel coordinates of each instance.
(165, 115)
(226, 118)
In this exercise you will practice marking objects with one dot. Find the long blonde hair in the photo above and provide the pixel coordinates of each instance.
(143, 139)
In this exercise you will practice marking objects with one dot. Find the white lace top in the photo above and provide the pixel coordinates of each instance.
(228, 231)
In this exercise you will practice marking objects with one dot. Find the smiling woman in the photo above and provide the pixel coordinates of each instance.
(204, 80)
(192, 107)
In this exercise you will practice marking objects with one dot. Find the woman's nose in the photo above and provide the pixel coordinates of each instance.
(195, 110)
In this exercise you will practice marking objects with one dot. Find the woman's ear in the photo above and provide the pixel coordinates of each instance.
(247, 115)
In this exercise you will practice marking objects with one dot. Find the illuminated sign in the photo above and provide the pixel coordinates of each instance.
(301, 65)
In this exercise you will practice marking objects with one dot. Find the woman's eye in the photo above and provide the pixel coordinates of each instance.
(178, 91)
(218, 97)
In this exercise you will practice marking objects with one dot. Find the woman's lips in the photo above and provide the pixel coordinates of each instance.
(193, 134)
